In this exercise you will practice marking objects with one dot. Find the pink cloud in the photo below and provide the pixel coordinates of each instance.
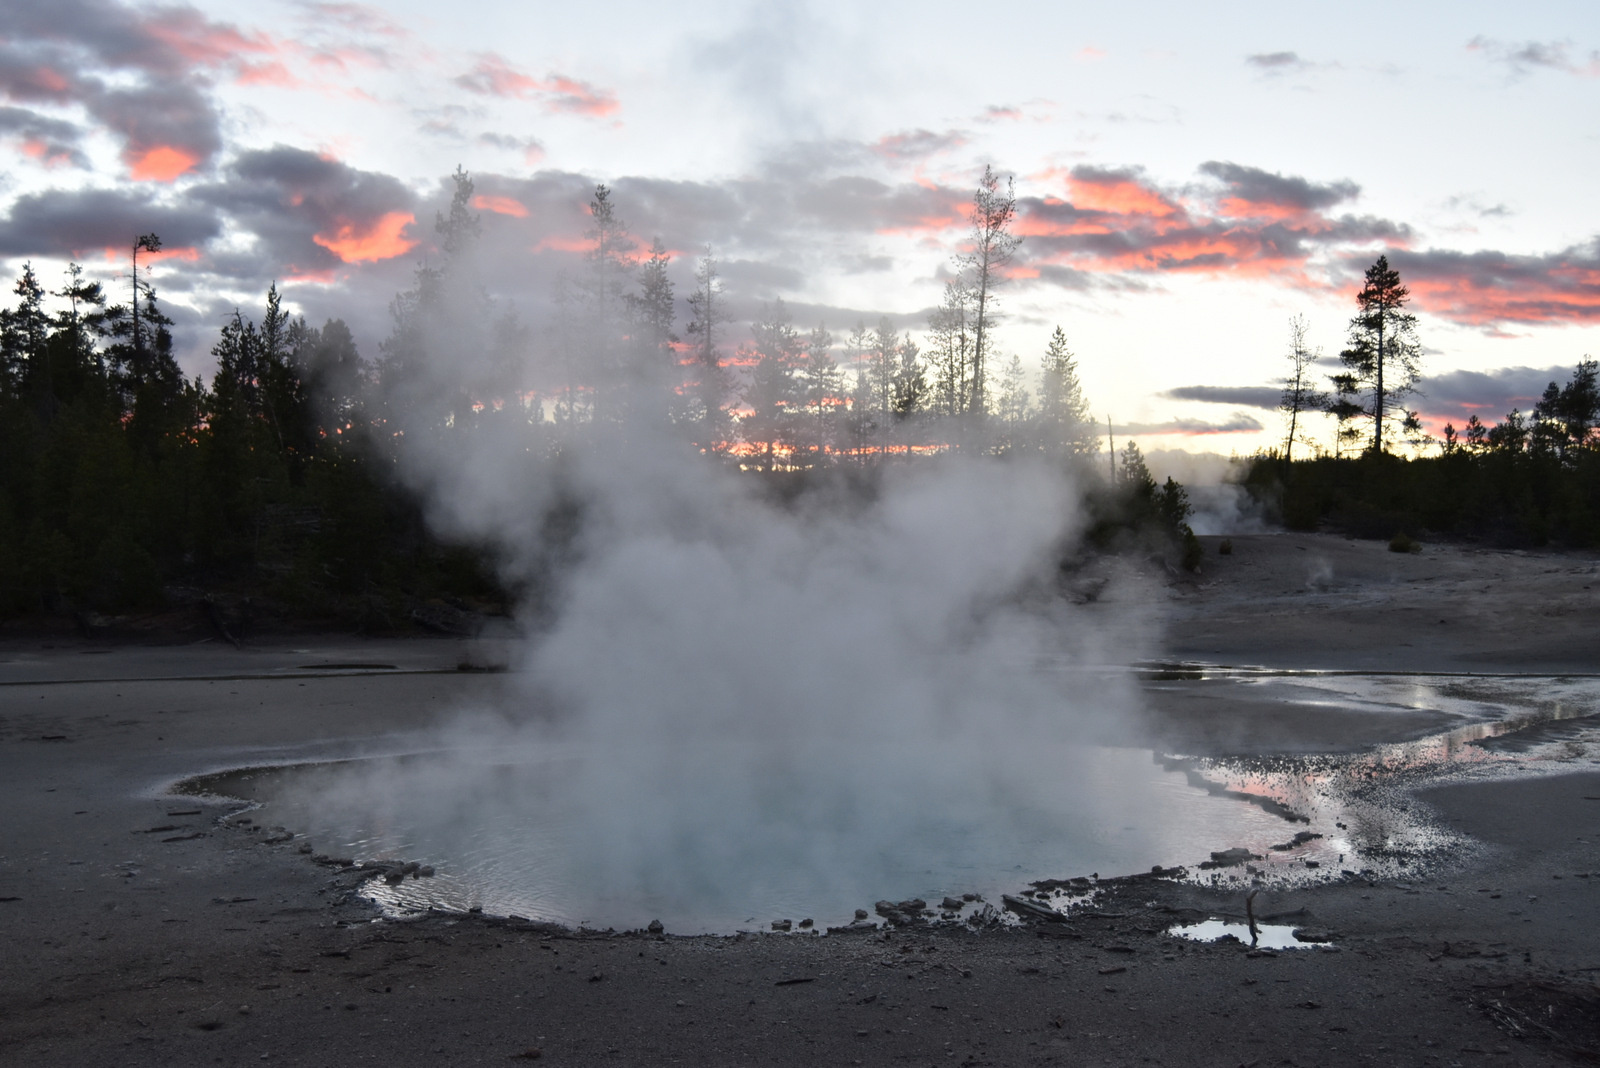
(494, 76)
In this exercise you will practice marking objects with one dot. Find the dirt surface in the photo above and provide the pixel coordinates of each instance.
(141, 930)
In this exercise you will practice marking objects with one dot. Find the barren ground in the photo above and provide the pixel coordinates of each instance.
(140, 931)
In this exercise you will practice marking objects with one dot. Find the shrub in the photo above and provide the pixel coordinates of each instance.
(1192, 553)
(1404, 543)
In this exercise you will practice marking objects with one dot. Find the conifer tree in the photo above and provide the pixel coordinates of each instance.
(706, 317)
(1383, 359)
(824, 388)
(24, 335)
(1065, 425)
(992, 244)
(950, 350)
(910, 384)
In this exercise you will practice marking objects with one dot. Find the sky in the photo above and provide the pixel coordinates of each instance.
(1186, 182)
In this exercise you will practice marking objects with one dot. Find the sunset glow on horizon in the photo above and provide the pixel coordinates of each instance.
(1183, 188)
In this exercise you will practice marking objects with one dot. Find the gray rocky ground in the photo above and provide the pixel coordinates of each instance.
(140, 930)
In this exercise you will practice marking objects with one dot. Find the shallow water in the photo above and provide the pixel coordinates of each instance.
(1267, 935)
(524, 852)
(508, 832)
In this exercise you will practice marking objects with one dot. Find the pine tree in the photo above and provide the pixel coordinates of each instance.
(992, 246)
(1384, 357)
(77, 367)
(655, 376)
(910, 385)
(24, 338)
(604, 287)
(654, 311)
(1013, 408)
(775, 392)
(423, 383)
(883, 346)
(706, 317)
(459, 230)
(950, 351)
(1569, 415)
(824, 388)
(1065, 426)
(1135, 476)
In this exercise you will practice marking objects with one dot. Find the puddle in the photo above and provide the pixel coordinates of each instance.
(508, 833)
(505, 834)
(1269, 935)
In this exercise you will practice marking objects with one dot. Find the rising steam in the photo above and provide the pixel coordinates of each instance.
(733, 701)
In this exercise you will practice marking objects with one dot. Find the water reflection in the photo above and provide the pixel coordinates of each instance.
(1266, 935)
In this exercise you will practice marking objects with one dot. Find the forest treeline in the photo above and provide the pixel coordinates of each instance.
(284, 480)
(1531, 479)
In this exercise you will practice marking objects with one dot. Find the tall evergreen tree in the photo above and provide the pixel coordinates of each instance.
(1569, 415)
(1384, 357)
(1013, 409)
(655, 376)
(604, 286)
(24, 337)
(909, 388)
(950, 350)
(824, 389)
(883, 346)
(77, 368)
(1065, 426)
(706, 318)
(775, 393)
(424, 381)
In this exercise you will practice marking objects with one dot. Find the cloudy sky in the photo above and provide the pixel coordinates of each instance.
(1186, 182)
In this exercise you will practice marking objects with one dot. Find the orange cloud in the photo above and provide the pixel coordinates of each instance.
(163, 163)
(1527, 301)
(1119, 195)
(1239, 208)
(326, 276)
(381, 239)
(501, 206)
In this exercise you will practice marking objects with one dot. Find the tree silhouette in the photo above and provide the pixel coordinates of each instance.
(1384, 357)
(1299, 396)
(992, 246)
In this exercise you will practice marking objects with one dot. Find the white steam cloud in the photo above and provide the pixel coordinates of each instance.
(738, 702)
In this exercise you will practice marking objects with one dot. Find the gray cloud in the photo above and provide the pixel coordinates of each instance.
(912, 145)
(74, 223)
(1242, 422)
(51, 140)
(532, 148)
(1272, 190)
(84, 52)
(1488, 287)
(288, 197)
(1490, 395)
(1528, 56)
(1249, 396)
(1277, 62)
